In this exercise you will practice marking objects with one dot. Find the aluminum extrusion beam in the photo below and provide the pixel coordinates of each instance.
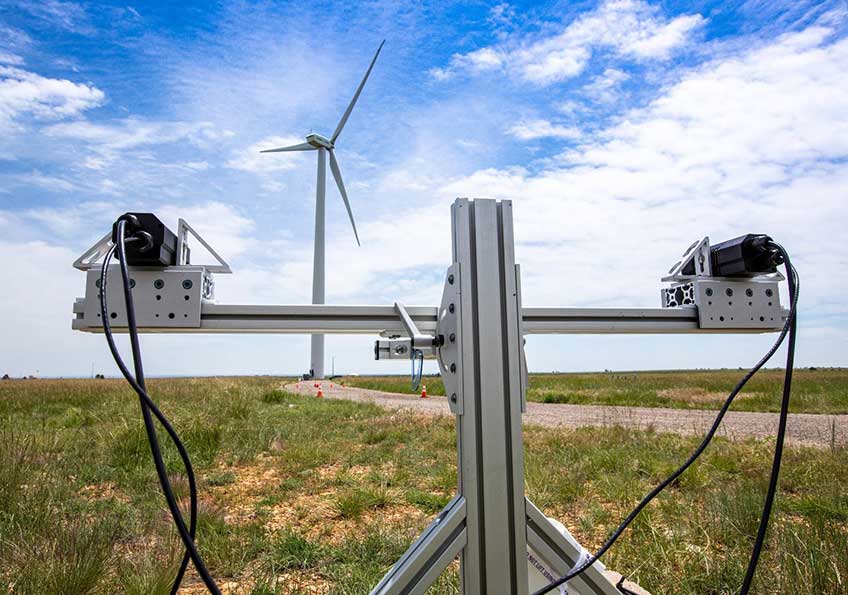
(327, 319)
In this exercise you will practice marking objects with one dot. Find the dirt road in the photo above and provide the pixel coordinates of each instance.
(803, 428)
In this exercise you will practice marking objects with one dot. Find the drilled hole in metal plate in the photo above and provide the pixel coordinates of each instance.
(158, 298)
(721, 318)
(113, 315)
(171, 315)
(762, 318)
(186, 298)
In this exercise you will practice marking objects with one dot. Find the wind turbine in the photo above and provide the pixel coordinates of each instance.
(316, 142)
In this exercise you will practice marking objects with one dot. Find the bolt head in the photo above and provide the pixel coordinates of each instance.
(453, 397)
(452, 337)
(450, 279)
(453, 368)
(451, 308)
(187, 284)
(159, 284)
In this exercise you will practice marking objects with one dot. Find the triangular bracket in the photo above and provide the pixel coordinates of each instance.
(90, 257)
(184, 253)
(694, 263)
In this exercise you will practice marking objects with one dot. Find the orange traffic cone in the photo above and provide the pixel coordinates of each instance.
(320, 392)
(424, 391)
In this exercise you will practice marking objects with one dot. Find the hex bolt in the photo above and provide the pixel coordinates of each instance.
(187, 284)
(450, 278)
(451, 308)
(453, 397)
(709, 291)
(452, 337)
(453, 368)
(749, 292)
(159, 284)
(769, 292)
(729, 292)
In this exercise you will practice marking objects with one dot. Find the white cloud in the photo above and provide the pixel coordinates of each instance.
(65, 15)
(533, 129)
(26, 93)
(631, 28)
(252, 159)
(604, 88)
(751, 143)
(132, 133)
(9, 58)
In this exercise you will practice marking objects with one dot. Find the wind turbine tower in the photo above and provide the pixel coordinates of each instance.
(325, 146)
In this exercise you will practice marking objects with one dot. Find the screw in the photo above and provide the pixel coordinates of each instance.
(132, 283)
(453, 397)
(452, 337)
(709, 291)
(450, 279)
(97, 284)
(187, 284)
(158, 284)
(453, 368)
(451, 308)
(729, 292)
(749, 292)
(769, 292)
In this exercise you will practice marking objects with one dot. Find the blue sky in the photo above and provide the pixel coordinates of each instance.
(622, 131)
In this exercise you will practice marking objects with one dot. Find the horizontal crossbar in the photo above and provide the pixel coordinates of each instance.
(328, 319)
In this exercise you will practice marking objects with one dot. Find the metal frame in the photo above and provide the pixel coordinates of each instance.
(476, 334)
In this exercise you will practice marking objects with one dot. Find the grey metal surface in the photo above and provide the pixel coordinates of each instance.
(447, 329)
(490, 443)
(169, 299)
(429, 555)
(372, 320)
(561, 554)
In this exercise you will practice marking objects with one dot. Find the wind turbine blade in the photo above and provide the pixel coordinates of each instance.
(355, 96)
(337, 174)
(300, 147)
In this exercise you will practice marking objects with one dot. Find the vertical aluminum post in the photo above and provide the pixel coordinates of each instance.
(480, 353)
(491, 459)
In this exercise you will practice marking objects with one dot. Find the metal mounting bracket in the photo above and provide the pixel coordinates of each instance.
(450, 339)
(184, 253)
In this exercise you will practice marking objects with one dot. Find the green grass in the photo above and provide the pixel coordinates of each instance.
(300, 493)
(822, 390)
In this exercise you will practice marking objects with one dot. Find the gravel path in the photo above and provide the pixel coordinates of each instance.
(803, 429)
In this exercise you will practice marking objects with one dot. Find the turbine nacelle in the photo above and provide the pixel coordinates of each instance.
(319, 142)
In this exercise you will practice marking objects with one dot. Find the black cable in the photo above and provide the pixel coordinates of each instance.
(148, 406)
(792, 276)
(148, 402)
(788, 326)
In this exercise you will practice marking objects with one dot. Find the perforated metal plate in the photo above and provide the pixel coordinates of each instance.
(163, 298)
(726, 304)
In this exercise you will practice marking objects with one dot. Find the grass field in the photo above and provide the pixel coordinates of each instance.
(301, 495)
(823, 390)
